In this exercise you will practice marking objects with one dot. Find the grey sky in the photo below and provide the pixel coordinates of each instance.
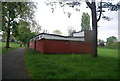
(59, 20)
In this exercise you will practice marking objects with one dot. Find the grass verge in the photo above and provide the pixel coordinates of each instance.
(72, 66)
(3, 50)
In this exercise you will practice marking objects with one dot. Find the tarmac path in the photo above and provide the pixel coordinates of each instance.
(13, 65)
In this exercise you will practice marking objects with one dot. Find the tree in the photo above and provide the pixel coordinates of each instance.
(112, 42)
(92, 6)
(45, 31)
(112, 39)
(94, 9)
(57, 32)
(12, 13)
(71, 31)
(35, 27)
(85, 24)
(38, 29)
(24, 35)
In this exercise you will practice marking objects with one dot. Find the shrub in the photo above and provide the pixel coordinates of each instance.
(112, 45)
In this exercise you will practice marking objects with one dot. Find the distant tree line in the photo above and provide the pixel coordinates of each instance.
(112, 42)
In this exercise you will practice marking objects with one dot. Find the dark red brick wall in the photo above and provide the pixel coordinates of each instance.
(31, 44)
(56, 46)
(40, 46)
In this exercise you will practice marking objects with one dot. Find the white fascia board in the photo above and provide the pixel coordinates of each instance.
(79, 34)
(61, 38)
(53, 37)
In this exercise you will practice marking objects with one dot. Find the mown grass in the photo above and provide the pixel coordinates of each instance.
(3, 50)
(72, 66)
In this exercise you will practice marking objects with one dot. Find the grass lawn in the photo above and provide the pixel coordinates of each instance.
(73, 66)
(3, 50)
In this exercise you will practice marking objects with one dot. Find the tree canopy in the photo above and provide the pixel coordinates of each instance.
(24, 34)
(57, 32)
(112, 42)
(111, 39)
(13, 13)
(85, 24)
(71, 31)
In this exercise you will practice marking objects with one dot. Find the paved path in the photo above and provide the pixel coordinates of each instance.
(13, 66)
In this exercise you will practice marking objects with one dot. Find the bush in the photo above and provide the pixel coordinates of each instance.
(112, 45)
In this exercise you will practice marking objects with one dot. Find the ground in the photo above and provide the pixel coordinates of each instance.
(13, 46)
(30, 64)
(13, 66)
(73, 66)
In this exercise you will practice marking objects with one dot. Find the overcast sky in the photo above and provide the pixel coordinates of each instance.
(60, 21)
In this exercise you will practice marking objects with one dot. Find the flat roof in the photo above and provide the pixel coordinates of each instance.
(56, 37)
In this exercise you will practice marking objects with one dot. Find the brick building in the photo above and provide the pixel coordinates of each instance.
(56, 44)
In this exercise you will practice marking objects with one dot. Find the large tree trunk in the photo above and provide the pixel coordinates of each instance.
(8, 38)
(94, 27)
(92, 6)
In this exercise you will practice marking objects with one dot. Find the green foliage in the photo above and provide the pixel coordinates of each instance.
(112, 42)
(24, 34)
(113, 45)
(12, 13)
(111, 39)
(85, 24)
(57, 32)
(72, 66)
(71, 31)
(14, 10)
